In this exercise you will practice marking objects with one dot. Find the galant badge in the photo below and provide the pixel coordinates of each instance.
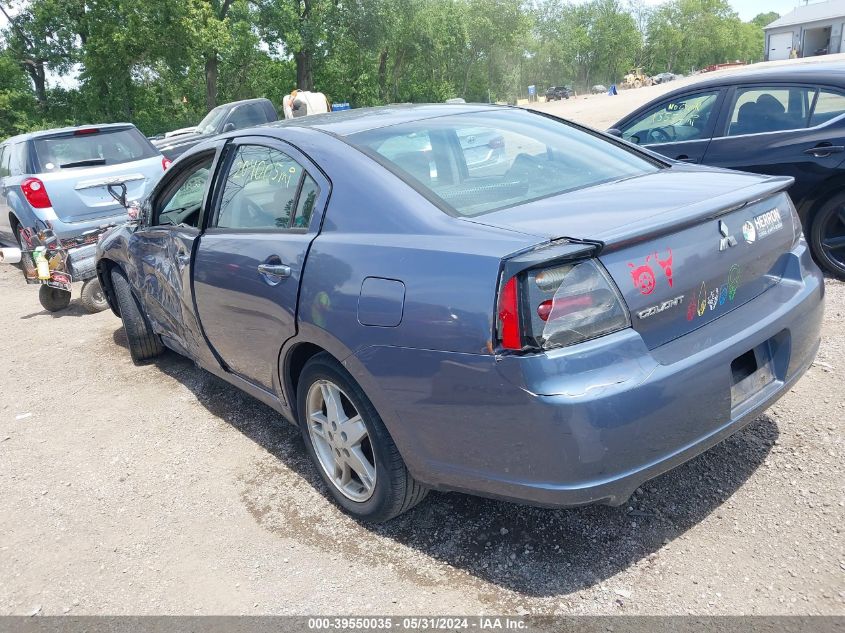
(727, 240)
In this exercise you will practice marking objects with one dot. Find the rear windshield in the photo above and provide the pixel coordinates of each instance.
(86, 148)
(480, 162)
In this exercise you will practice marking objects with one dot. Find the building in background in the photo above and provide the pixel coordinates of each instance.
(810, 29)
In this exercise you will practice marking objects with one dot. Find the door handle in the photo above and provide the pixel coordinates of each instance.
(685, 159)
(823, 150)
(274, 270)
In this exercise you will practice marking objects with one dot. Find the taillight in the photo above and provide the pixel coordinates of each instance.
(508, 322)
(35, 193)
(797, 229)
(571, 303)
(165, 163)
(89, 130)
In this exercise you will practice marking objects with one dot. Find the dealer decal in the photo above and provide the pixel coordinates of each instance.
(762, 225)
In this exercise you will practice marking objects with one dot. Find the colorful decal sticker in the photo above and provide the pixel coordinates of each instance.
(734, 277)
(666, 265)
(702, 300)
(709, 300)
(713, 299)
(643, 276)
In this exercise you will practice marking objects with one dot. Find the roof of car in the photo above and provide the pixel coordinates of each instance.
(360, 119)
(64, 130)
(814, 72)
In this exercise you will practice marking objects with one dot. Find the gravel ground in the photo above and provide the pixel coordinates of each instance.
(163, 490)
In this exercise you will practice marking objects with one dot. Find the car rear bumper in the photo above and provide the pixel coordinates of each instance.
(589, 424)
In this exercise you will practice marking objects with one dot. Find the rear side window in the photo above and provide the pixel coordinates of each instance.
(829, 105)
(770, 109)
(4, 161)
(91, 148)
(262, 191)
(480, 162)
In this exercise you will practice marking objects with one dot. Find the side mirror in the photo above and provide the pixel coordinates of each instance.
(118, 192)
(228, 127)
(135, 212)
(615, 132)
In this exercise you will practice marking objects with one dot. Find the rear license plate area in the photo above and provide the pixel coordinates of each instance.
(751, 372)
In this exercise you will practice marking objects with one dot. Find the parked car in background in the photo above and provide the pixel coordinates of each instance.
(785, 121)
(56, 181)
(556, 93)
(224, 118)
(556, 330)
(598, 89)
(662, 78)
(60, 177)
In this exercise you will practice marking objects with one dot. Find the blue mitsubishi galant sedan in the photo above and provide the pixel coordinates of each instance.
(553, 327)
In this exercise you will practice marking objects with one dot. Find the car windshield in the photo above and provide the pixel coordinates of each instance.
(212, 120)
(90, 148)
(484, 161)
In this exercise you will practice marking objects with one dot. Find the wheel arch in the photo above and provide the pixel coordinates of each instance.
(811, 205)
(104, 268)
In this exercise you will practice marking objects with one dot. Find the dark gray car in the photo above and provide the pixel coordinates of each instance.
(224, 118)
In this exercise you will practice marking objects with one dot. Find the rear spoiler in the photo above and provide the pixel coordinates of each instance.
(696, 213)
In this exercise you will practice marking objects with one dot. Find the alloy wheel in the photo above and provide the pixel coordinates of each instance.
(341, 441)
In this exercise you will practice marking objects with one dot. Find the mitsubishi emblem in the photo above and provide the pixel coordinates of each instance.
(727, 240)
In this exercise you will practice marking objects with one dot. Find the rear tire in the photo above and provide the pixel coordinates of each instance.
(53, 299)
(390, 490)
(92, 297)
(828, 225)
(144, 344)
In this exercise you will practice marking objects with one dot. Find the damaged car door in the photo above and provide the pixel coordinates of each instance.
(250, 259)
(162, 248)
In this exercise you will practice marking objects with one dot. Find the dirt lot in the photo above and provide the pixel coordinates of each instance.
(161, 489)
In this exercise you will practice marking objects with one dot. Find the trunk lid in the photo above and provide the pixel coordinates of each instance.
(81, 195)
(684, 246)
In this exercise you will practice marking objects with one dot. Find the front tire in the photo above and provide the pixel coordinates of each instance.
(144, 344)
(53, 299)
(92, 297)
(353, 451)
(827, 236)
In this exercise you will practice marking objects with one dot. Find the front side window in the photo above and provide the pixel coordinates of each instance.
(211, 122)
(480, 162)
(770, 109)
(261, 191)
(181, 203)
(681, 119)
